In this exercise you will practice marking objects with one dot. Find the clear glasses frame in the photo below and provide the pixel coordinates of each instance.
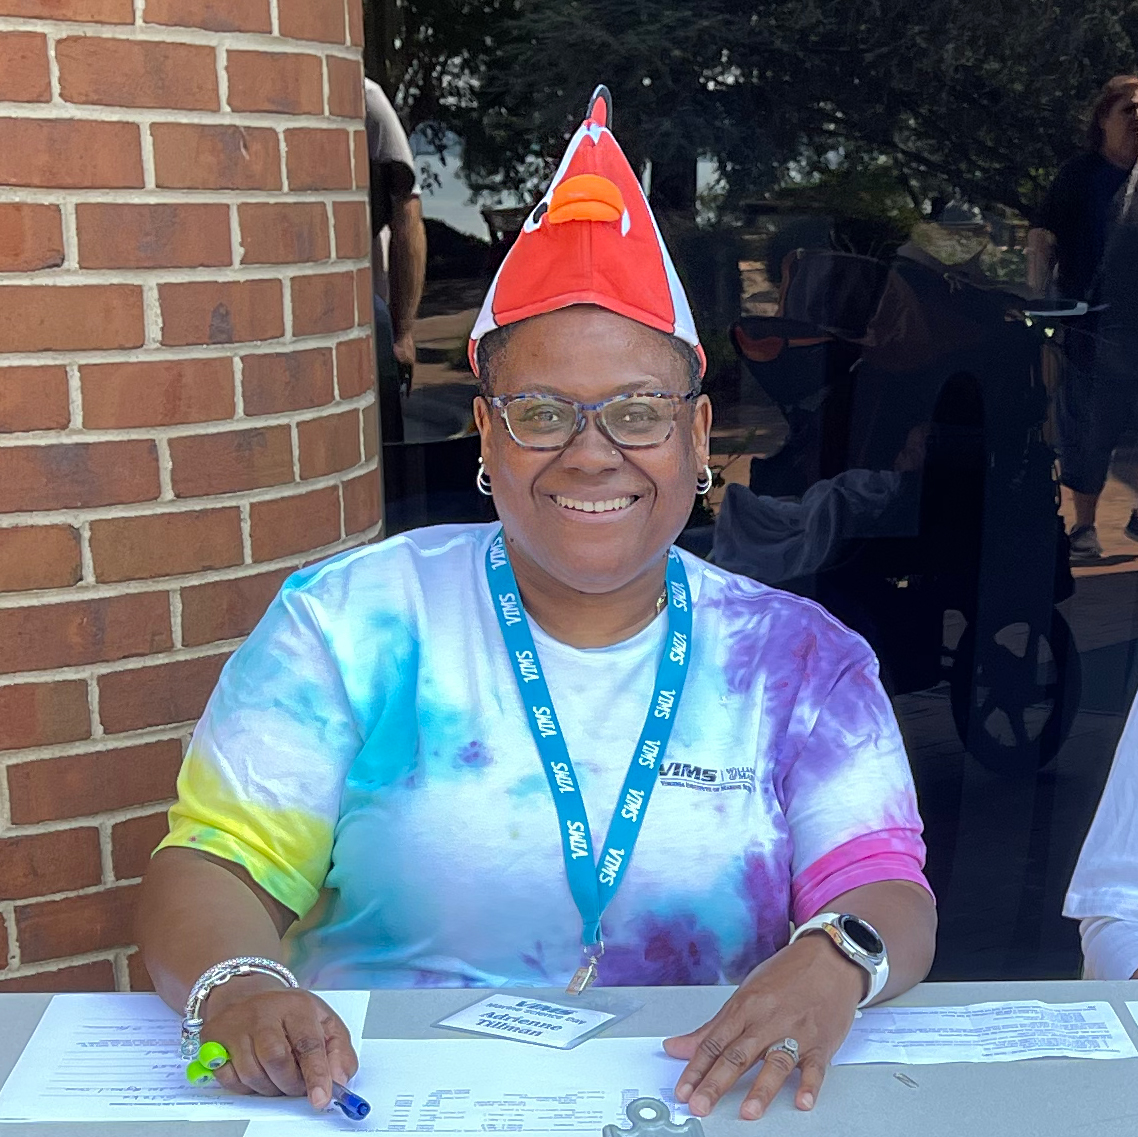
(584, 411)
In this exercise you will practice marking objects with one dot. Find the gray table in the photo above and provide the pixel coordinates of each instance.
(1045, 1097)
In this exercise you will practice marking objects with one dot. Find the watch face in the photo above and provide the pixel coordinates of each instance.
(862, 935)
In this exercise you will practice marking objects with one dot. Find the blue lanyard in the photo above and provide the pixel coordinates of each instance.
(593, 886)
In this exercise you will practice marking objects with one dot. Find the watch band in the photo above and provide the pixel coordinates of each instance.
(874, 963)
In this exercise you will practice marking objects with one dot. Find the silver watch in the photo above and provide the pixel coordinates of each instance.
(858, 941)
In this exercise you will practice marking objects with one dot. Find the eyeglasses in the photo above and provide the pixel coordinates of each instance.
(550, 422)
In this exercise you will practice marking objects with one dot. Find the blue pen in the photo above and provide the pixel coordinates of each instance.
(354, 1106)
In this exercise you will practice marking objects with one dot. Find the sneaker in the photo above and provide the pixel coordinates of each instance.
(1131, 529)
(1084, 544)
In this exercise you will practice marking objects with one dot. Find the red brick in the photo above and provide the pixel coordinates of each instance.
(100, 155)
(284, 233)
(152, 236)
(71, 317)
(167, 544)
(345, 87)
(95, 921)
(188, 156)
(294, 524)
(365, 304)
(84, 631)
(80, 785)
(275, 81)
(79, 11)
(96, 976)
(329, 444)
(73, 476)
(161, 392)
(234, 460)
(356, 23)
(229, 311)
(318, 159)
(133, 841)
(78, 475)
(360, 162)
(353, 229)
(43, 714)
(361, 502)
(213, 15)
(322, 303)
(39, 556)
(42, 863)
(33, 398)
(154, 696)
(286, 381)
(355, 367)
(24, 75)
(370, 416)
(227, 609)
(321, 20)
(138, 975)
(31, 236)
(137, 73)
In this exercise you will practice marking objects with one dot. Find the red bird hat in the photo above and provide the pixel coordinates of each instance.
(591, 239)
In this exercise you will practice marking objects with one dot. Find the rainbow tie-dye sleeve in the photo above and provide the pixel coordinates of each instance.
(848, 795)
(261, 782)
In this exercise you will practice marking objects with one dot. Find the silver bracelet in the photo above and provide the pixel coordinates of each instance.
(218, 974)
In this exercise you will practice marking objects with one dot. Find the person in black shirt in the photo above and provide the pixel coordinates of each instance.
(1066, 251)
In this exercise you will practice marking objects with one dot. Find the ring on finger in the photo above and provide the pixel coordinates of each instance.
(787, 1046)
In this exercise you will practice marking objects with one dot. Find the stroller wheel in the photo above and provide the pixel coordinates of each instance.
(1015, 696)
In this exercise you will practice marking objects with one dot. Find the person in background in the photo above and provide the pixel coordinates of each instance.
(1103, 895)
(1065, 259)
(399, 254)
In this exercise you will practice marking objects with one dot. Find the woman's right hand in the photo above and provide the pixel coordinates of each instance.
(280, 1041)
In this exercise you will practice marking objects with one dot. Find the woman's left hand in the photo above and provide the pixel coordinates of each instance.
(809, 992)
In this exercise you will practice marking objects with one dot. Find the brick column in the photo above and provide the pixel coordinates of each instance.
(187, 411)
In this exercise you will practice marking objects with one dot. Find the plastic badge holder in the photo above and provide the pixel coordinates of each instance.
(651, 1118)
(541, 1017)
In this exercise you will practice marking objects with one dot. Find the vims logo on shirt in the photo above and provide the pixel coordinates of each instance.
(707, 777)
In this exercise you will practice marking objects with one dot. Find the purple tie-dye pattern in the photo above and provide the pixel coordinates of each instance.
(535, 960)
(663, 952)
(473, 755)
(765, 889)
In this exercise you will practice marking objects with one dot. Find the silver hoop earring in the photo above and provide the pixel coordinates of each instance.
(704, 482)
(482, 480)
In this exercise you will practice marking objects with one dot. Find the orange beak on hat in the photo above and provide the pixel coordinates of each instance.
(585, 197)
(591, 239)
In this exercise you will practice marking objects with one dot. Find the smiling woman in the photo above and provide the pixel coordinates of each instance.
(411, 764)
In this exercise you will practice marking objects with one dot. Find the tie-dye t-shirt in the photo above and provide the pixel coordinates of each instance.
(365, 756)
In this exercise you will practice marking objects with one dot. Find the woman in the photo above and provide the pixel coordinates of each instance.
(1070, 241)
(395, 773)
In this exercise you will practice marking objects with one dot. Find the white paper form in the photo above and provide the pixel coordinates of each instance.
(986, 1032)
(100, 1057)
(479, 1085)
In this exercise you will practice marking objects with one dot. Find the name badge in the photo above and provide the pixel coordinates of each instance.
(536, 1021)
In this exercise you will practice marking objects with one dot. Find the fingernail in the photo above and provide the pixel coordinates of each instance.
(683, 1091)
(751, 1111)
(320, 1099)
(807, 1100)
(700, 1105)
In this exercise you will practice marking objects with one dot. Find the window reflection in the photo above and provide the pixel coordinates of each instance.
(895, 366)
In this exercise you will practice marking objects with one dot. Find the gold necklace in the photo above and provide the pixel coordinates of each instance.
(661, 601)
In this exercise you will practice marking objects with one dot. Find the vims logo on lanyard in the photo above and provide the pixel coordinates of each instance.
(593, 885)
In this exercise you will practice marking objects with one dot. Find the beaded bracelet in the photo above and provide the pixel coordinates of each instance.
(217, 975)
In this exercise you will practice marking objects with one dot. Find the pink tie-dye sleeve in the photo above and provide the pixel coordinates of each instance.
(848, 792)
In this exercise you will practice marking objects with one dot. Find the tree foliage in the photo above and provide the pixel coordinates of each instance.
(981, 98)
